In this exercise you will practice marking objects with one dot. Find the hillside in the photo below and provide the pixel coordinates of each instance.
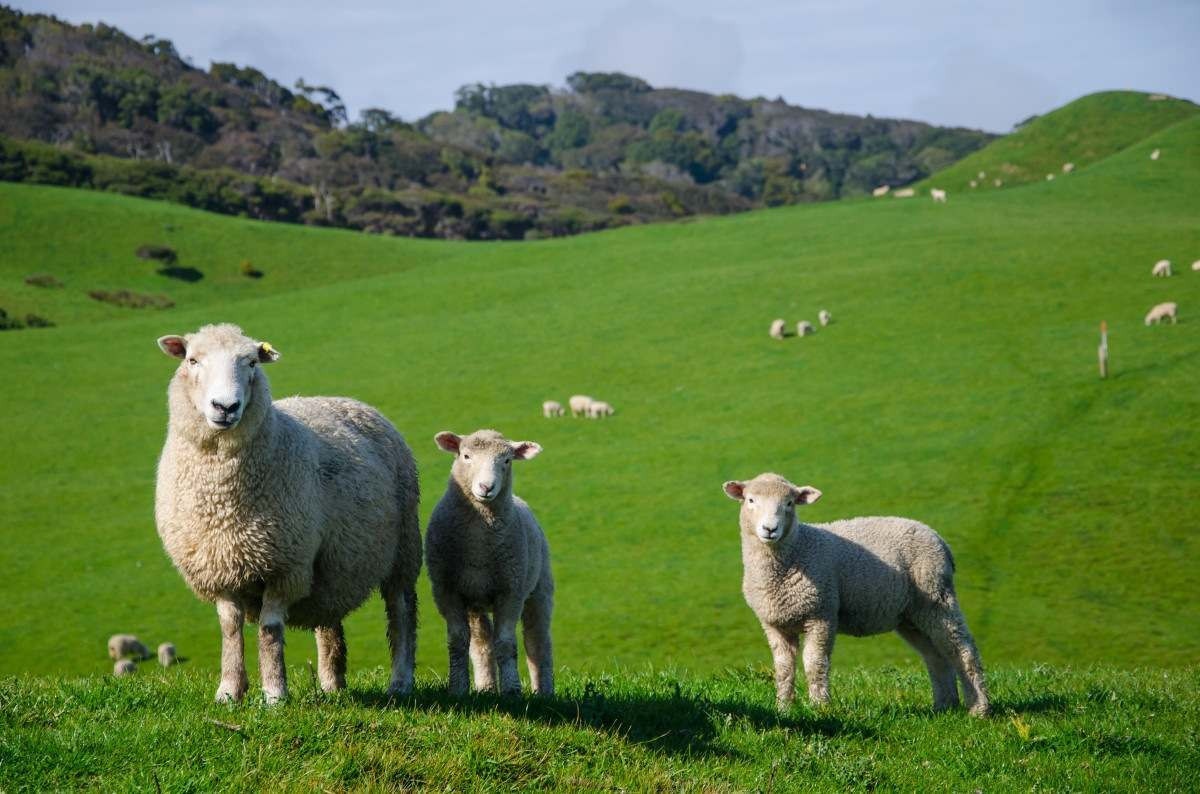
(1061, 730)
(89, 106)
(957, 385)
(1082, 132)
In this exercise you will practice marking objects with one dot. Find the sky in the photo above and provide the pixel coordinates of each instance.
(986, 64)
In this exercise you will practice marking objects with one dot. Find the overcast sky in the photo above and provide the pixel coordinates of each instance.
(981, 63)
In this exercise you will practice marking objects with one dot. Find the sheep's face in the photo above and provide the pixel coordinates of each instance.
(769, 505)
(219, 367)
(483, 461)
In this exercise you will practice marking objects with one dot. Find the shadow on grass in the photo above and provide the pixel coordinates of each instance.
(188, 274)
(671, 722)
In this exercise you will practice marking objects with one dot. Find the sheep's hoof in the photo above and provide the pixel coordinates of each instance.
(980, 710)
(399, 690)
(230, 693)
(274, 698)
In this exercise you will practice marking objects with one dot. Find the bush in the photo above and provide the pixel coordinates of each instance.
(31, 321)
(42, 280)
(247, 269)
(163, 253)
(620, 205)
(131, 300)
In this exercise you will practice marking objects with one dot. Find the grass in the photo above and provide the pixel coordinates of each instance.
(1063, 730)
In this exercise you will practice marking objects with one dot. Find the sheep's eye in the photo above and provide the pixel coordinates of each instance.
(193, 361)
(253, 364)
(789, 503)
(750, 500)
(466, 456)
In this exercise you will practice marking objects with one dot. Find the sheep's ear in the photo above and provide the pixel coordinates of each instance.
(524, 450)
(175, 346)
(266, 353)
(448, 441)
(805, 494)
(735, 489)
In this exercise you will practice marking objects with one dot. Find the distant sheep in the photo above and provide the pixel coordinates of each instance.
(861, 576)
(938, 195)
(1162, 268)
(777, 330)
(1161, 312)
(552, 408)
(998, 182)
(166, 654)
(1049, 177)
(122, 645)
(598, 409)
(982, 175)
(1154, 154)
(824, 317)
(1157, 97)
(1068, 168)
(578, 404)
(907, 192)
(805, 328)
(882, 190)
(1196, 265)
(124, 667)
(973, 183)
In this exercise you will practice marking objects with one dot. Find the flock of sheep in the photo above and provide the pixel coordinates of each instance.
(580, 405)
(778, 328)
(126, 651)
(292, 512)
(1167, 309)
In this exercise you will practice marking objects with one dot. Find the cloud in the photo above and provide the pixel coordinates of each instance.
(663, 46)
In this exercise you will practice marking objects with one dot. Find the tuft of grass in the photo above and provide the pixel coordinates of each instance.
(131, 300)
(43, 280)
(162, 253)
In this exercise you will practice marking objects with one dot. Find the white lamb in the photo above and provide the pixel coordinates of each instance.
(777, 328)
(599, 409)
(982, 175)
(1154, 154)
(122, 645)
(486, 554)
(860, 576)
(907, 192)
(882, 190)
(124, 667)
(1162, 268)
(1196, 265)
(290, 512)
(579, 404)
(552, 408)
(166, 654)
(973, 183)
(1049, 177)
(998, 182)
(938, 195)
(824, 317)
(1068, 168)
(1161, 312)
(805, 328)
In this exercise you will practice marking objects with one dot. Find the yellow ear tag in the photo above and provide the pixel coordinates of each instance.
(267, 347)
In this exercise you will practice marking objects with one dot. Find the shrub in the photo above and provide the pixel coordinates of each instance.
(36, 321)
(247, 269)
(131, 300)
(42, 280)
(163, 253)
(620, 205)
(9, 323)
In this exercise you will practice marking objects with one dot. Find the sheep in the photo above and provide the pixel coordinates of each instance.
(1157, 97)
(552, 408)
(1068, 168)
(166, 654)
(1196, 265)
(1162, 268)
(982, 175)
(777, 328)
(124, 667)
(1162, 311)
(599, 409)
(290, 512)
(579, 404)
(824, 317)
(486, 553)
(122, 645)
(973, 184)
(1049, 177)
(937, 195)
(907, 192)
(805, 328)
(860, 576)
(882, 190)
(998, 182)
(1154, 154)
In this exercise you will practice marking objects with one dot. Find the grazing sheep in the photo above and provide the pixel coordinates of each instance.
(1162, 268)
(1161, 312)
(1196, 265)
(1157, 97)
(805, 328)
(579, 404)
(973, 183)
(166, 654)
(998, 182)
(777, 328)
(290, 512)
(598, 409)
(938, 195)
(907, 192)
(1049, 177)
(1154, 154)
(824, 317)
(486, 554)
(1068, 168)
(122, 645)
(861, 576)
(124, 667)
(552, 408)
(882, 190)
(982, 175)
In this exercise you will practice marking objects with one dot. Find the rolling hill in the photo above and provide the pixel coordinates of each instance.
(957, 385)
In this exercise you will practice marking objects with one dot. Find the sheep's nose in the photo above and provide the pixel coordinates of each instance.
(768, 529)
(227, 409)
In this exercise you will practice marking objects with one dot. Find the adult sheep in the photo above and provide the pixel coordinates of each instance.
(805, 328)
(488, 555)
(861, 576)
(552, 408)
(938, 195)
(1161, 312)
(778, 327)
(288, 512)
(598, 409)
(578, 403)
(1162, 268)
(882, 190)
(123, 645)
(824, 317)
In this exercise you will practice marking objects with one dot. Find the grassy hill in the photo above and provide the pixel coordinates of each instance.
(1083, 132)
(957, 386)
(1093, 730)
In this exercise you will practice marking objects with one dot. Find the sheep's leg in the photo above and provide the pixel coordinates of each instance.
(331, 657)
(234, 683)
(818, 647)
(539, 651)
(941, 670)
(482, 662)
(270, 647)
(946, 628)
(401, 608)
(783, 653)
(504, 647)
(458, 640)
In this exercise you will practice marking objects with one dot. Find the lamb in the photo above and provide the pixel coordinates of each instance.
(598, 409)
(1162, 311)
(122, 645)
(579, 404)
(1196, 265)
(938, 195)
(1162, 268)
(805, 328)
(1068, 168)
(124, 667)
(998, 182)
(486, 554)
(973, 183)
(166, 654)
(982, 175)
(907, 192)
(824, 317)
(1049, 177)
(882, 190)
(777, 328)
(861, 576)
(1154, 154)
(552, 408)
(290, 512)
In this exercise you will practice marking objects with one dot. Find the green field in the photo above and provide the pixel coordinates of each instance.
(957, 385)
